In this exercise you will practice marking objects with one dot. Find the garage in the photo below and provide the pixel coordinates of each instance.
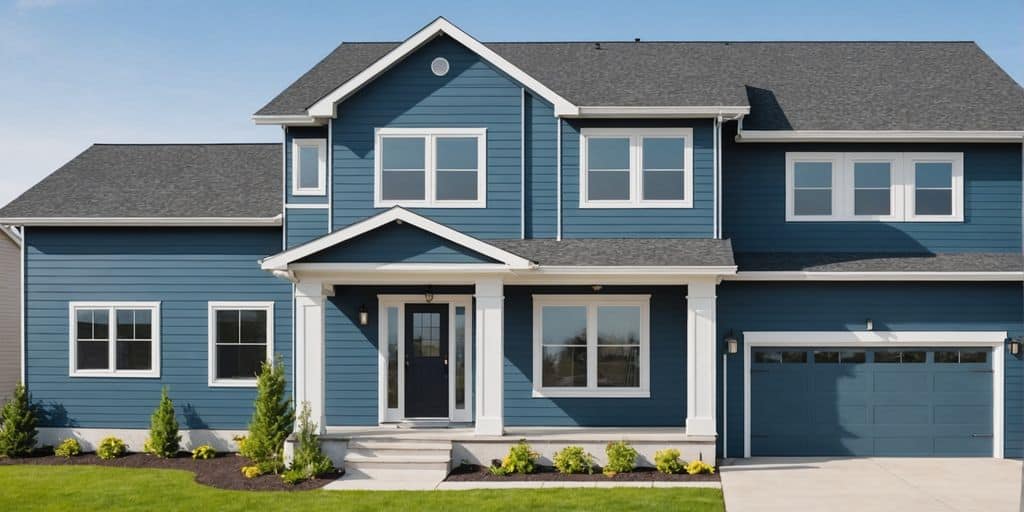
(837, 400)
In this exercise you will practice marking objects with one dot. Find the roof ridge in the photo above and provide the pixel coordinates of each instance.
(711, 41)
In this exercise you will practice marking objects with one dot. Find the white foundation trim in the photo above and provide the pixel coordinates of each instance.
(135, 438)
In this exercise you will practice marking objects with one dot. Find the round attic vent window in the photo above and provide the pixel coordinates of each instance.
(439, 66)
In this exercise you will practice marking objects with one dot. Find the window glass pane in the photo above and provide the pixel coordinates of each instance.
(663, 185)
(660, 153)
(825, 357)
(143, 324)
(608, 185)
(456, 185)
(871, 202)
(618, 325)
(91, 324)
(456, 153)
(460, 357)
(618, 367)
(947, 356)
(227, 326)
(564, 325)
(812, 174)
(794, 357)
(402, 153)
(899, 357)
(564, 366)
(100, 324)
(887, 357)
(240, 361)
(871, 175)
(812, 202)
(125, 324)
(402, 185)
(933, 175)
(973, 356)
(92, 355)
(392, 357)
(933, 202)
(426, 334)
(608, 153)
(134, 355)
(253, 326)
(767, 357)
(309, 167)
(913, 357)
(852, 357)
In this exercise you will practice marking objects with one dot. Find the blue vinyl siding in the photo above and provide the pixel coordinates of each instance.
(472, 95)
(696, 222)
(667, 403)
(891, 306)
(397, 243)
(183, 268)
(541, 137)
(754, 204)
(300, 132)
(305, 224)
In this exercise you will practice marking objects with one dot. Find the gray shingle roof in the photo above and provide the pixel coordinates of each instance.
(159, 180)
(653, 252)
(789, 85)
(881, 262)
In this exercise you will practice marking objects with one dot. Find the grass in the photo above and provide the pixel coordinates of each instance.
(84, 488)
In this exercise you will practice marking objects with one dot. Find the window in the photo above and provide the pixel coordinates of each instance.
(894, 187)
(431, 167)
(844, 357)
(961, 356)
(636, 168)
(241, 339)
(115, 339)
(309, 167)
(591, 346)
(915, 356)
(775, 357)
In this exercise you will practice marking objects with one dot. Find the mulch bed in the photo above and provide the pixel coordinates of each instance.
(222, 472)
(473, 473)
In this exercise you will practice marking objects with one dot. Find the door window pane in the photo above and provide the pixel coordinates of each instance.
(767, 357)
(403, 168)
(895, 356)
(933, 188)
(392, 319)
(812, 188)
(663, 168)
(426, 334)
(608, 168)
(872, 183)
(460, 357)
(309, 166)
(825, 357)
(973, 356)
(564, 340)
(852, 357)
(794, 357)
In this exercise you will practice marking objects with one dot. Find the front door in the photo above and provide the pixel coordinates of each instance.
(426, 361)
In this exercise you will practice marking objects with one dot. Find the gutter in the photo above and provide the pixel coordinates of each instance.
(988, 136)
(145, 221)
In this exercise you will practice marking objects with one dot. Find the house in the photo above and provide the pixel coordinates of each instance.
(10, 310)
(736, 249)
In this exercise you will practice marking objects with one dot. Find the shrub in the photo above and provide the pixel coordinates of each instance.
(68, 448)
(520, 459)
(667, 461)
(18, 424)
(573, 459)
(698, 467)
(240, 442)
(272, 420)
(251, 471)
(111, 448)
(204, 452)
(163, 429)
(308, 461)
(621, 458)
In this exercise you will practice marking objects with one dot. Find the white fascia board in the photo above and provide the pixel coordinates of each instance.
(662, 112)
(282, 260)
(874, 276)
(636, 270)
(12, 233)
(839, 338)
(878, 136)
(289, 120)
(143, 221)
(325, 107)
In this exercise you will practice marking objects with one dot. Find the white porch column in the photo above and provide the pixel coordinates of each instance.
(490, 357)
(700, 357)
(309, 349)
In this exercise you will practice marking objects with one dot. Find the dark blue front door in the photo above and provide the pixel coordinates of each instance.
(831, 401)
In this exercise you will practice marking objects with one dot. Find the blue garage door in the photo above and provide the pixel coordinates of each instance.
(830, 401)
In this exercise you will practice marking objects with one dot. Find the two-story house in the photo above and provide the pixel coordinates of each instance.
(737, 249)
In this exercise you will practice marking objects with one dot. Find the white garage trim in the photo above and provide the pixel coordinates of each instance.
(993, 339)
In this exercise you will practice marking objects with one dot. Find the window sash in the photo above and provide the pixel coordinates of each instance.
(113, 340)
(638, 172)
(321, 168)
(217, 342)
(434, 176)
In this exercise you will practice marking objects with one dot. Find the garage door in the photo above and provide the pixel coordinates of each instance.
(831, 401)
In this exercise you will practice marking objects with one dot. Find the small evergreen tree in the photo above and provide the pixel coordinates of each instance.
(18, 424)
(163, 429)
(272, 420)
(309, 461)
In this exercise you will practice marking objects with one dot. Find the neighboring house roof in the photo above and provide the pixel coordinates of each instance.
(12, 234)
(880, 262)
(640, 252)
(157, 181)
(788, 85)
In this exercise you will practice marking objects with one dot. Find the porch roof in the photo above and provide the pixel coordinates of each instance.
(632, 252)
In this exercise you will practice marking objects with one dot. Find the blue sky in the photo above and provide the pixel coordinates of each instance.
(75, 72)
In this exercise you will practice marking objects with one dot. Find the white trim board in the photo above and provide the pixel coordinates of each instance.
(878, 136)
(873, 276)
(676, 111)
(994, 339)
(144, 221)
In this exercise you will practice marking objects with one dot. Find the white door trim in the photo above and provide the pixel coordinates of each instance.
(385, 301)
(993, 339)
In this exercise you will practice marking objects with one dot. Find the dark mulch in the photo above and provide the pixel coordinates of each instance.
(223, 471)
(473, 473)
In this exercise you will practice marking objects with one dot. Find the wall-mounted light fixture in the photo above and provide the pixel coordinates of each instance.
(1015, 346)
(364, 315)
(596, 287)
(732, 345)
(428, 294)
(870, 325)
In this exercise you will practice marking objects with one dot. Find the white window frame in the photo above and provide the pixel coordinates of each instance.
(211, 360)
(112, 371)
(591, 303)
(902, 192)
(321, 147)
(636, 136)
(430, 136)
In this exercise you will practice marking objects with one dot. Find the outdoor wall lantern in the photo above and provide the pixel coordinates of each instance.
(870, 325)
(364, 315)
(428, 294)
(1015, 346)
(732, 345)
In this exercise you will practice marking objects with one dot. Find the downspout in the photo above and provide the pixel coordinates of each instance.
(522, 164)
(330, 175)
(22, 292)
(558, 179)
(716, 138)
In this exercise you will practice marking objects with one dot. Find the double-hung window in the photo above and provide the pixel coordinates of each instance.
(431, 167)
(115, 339)
(241, 338)
(636, 168)
(309, 167)
(591, 346)
(896, 187)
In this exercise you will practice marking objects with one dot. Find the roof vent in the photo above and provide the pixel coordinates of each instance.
(597, 46)
(439, 66)
(636, 39)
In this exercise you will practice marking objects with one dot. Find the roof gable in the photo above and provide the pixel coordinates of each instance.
(397, 242)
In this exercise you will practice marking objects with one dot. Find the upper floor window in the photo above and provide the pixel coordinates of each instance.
(874, 186)
(115, 339)
(431, 167)
(309, 167)
(636, 168)
(241, 339)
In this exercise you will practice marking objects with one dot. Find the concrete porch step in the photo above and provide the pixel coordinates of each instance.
(398, 445)
(397, 460)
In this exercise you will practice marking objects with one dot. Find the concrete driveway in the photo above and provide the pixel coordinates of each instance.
(854, 484)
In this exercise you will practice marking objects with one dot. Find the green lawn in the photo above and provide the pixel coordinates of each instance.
(84, 488)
